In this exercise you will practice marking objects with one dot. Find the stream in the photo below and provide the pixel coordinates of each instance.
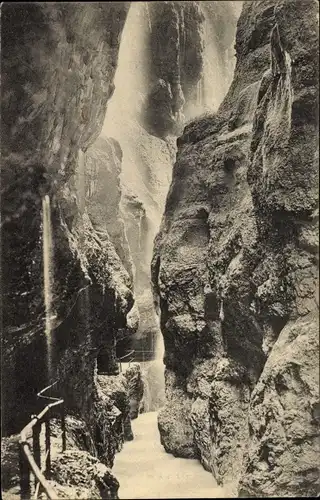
(144, 469)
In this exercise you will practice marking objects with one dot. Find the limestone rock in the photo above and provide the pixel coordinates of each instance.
(235, 266)
(178, 56)
(160, 98)
(176, 433)
(76, 474)
(101, 178)
(10, 473)
(135, 388)
(72, 52)
(176, 61)
(283, 418)
(115, 389)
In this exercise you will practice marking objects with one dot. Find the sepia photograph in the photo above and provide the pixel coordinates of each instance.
(159, 283)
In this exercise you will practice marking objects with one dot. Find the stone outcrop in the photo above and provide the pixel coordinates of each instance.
(75, 473)
(135, 388)
(72, 52)
(114, 388)
(235, 267)
(101, 178)
(176, 46)
(58, 66)
(187, 40)
(78, 472)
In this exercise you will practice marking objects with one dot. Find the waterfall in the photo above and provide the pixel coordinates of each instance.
(218, 61)
(153, 377)
(47, 276)
(148, 15)
(200, 94)
(146, 161)
(130, 77)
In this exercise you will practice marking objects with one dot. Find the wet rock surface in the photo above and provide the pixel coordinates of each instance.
(84, 469)
(176, 433)
(77, 474)
(50, 148)
(176, 62)
(283, 420)
(135, 388)
(235, 266)
(114, 388)
(177, 58)
(44, 137)
(153, 385)
(101, 178)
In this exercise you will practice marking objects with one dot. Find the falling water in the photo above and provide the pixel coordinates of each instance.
(47, 275)
(146, 162)
(218, 64)
(159, 350)
(153, 375)
(200, 97)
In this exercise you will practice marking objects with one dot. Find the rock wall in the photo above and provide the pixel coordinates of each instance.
(146, 164)
(190, 45)
(176, 63)
(84, 469)
(74, 474)
(102, 197)
(58, 66)
(235, 267)
(160, 65)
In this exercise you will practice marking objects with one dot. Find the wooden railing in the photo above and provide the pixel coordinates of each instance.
(130, 360)
(130, 357)
(30, 457)
(144, 356)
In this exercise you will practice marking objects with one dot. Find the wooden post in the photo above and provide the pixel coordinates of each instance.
(25, 493)
(36, 445)
(48, 449)
(63, 428)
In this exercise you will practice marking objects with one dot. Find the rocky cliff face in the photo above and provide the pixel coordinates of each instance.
(190, 44)
(84, 469)
(235, 267)
(101, 180)
(162, 59)
(176, 62)
(58, 65)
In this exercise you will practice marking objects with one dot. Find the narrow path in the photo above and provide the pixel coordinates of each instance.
(146, 471)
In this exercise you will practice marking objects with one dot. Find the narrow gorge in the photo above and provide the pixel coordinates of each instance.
(159, 249)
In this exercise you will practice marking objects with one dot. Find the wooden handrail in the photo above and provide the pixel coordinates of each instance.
(132, 359)
(38, 485)
(49, 491)
(143, 350)
(40, 394)
(37, 418)
(126, 355)
(28, 459)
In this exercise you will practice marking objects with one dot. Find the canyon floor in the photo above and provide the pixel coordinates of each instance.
(145, 470)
